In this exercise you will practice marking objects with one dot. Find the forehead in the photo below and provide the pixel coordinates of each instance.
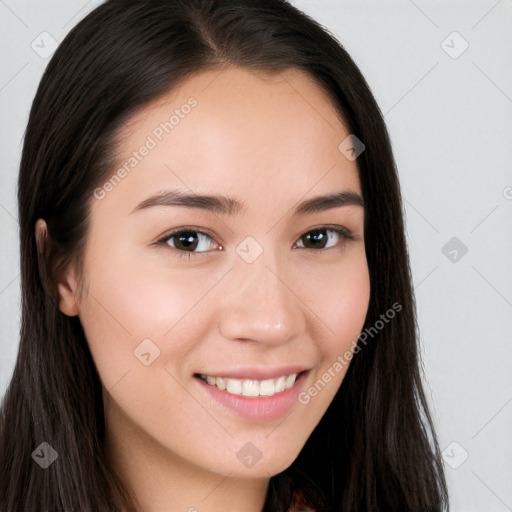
(229, 92)
(227, 129)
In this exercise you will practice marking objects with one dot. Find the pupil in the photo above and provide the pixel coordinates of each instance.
(187, 239)
(319, 235)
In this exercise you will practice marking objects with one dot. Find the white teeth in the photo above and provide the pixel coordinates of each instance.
(249, 387)
(291, 381)
(280, 384)
(234, 386)
(267, 387)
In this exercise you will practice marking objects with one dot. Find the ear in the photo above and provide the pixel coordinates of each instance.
(66, 289)
(65, 283)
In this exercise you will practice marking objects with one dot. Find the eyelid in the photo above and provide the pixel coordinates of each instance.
(175, 231)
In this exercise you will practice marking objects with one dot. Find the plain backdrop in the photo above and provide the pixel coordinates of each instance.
(442, 75)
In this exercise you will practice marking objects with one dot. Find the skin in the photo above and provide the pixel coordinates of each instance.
(254, 137)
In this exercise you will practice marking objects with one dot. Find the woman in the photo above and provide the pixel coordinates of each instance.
(217, 303)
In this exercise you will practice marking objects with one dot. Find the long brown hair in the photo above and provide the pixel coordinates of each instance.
(375, 448)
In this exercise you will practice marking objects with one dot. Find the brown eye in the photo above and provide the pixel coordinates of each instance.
(319, 238)
(188, 241)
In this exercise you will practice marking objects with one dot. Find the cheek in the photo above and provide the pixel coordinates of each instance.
(127, 302)
(349, 311)
(342, 307)
(341, 302)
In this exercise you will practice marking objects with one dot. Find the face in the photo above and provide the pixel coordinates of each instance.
(182, 298)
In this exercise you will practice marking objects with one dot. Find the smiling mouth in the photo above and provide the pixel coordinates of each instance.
(251, 387)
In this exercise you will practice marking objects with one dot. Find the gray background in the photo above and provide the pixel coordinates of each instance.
(449, 114)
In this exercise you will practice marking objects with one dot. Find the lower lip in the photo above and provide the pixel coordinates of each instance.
(257, 408)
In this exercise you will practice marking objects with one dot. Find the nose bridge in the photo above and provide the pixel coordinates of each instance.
(260, 303)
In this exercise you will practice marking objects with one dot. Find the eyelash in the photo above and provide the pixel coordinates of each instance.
(342, 232)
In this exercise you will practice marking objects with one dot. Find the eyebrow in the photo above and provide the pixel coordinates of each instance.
(229, 206)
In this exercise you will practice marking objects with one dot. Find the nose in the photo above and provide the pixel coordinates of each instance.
(261, 303)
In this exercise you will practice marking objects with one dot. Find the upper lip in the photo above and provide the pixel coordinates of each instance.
(257, 373)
